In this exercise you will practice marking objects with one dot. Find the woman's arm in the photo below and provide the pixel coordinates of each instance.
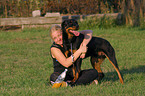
(87, 37)
(66, 62)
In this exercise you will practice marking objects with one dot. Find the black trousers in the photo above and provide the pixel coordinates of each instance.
(85, 77)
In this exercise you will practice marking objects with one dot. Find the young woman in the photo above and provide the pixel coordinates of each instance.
(61, 63)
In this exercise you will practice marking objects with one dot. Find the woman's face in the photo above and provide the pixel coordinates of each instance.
(57, 37)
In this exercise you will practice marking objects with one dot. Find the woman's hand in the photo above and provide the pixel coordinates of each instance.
(83, 49)
(83, 55)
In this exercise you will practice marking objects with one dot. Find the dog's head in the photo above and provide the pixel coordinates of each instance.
(67, 25)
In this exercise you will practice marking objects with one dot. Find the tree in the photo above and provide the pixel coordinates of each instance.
(131, 12)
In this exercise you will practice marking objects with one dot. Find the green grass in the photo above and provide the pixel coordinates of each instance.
(26, 64)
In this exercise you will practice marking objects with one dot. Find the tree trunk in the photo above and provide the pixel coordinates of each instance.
(6, 11)
(142, 8)
(136, 13)
(131, 12)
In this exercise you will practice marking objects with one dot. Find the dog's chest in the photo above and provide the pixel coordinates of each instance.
(77, 42)
(74, 45)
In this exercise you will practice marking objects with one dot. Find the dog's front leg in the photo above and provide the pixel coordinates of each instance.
(76, 69)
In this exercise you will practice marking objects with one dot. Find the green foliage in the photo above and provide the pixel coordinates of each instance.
(98, 22)
(142, 22)
(24, 8)
(26, 64)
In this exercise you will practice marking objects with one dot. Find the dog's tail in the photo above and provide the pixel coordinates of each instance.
(117, 69)
(110, 54)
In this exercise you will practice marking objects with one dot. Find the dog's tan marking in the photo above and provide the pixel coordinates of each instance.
(98, 65)
(96, 62)
(67, 31)
(74, 50)
(66, 53)
(76, 75)
(73, 69)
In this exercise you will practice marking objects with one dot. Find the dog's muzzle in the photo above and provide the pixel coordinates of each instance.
(72, 28)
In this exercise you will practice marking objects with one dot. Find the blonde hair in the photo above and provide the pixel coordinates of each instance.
(54, 28)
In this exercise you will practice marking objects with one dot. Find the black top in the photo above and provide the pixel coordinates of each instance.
(57, 66)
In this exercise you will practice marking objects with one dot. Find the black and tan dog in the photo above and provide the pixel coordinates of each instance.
(98, 49)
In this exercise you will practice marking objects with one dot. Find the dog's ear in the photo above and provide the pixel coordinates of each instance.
(65, 35)
(64, 24)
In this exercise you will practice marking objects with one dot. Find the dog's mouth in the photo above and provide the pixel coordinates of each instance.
(76, 33)
(73, 30)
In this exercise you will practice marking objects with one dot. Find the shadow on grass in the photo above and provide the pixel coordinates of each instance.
(113, 76)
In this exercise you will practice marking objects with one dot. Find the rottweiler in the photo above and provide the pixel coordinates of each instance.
(98, 50)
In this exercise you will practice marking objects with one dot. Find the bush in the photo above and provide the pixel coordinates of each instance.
(24, 8)
(98, 22)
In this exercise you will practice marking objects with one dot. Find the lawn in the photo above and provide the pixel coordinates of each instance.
(26, 64)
